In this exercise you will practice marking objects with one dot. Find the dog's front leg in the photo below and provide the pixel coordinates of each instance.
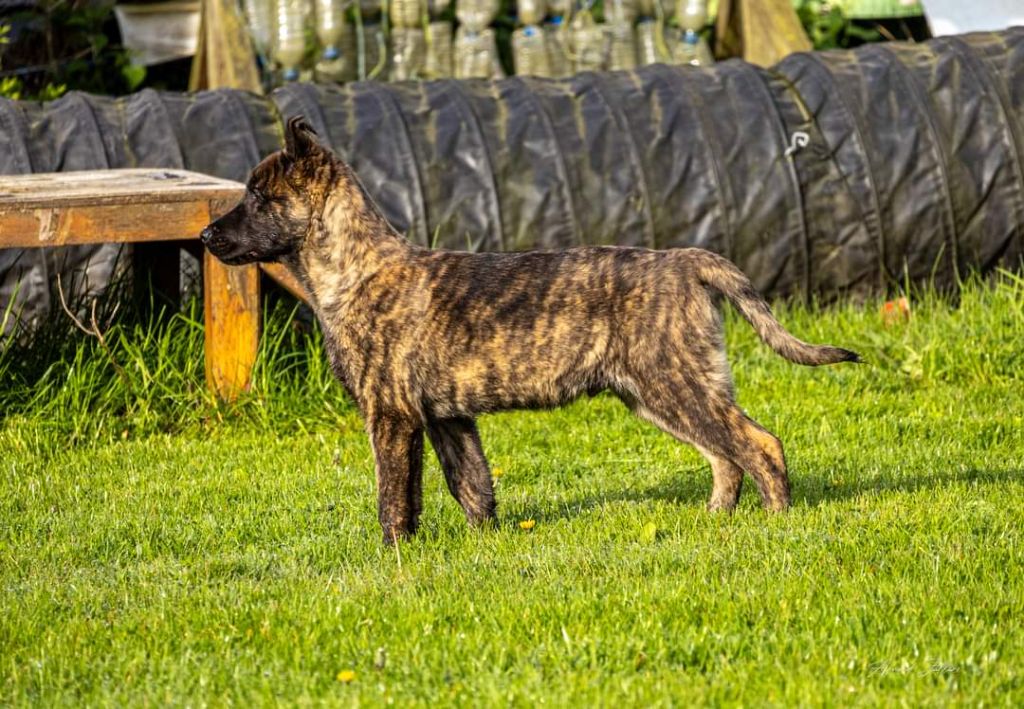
(457, 444)
(398, 452)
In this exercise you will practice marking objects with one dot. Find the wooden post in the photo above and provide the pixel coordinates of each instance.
(762, 32)
(231, 296)
(224, 53)
(231, 301)
(286, 280)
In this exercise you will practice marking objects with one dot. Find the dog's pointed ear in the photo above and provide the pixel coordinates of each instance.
(299, 138)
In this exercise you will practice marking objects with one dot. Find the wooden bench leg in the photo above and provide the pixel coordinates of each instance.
(231, 296)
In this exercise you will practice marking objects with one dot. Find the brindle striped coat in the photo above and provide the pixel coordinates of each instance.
(426, 341)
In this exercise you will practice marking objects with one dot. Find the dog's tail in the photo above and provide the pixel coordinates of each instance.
(723, 276)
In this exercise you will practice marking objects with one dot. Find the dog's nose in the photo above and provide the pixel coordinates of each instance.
(207, 234)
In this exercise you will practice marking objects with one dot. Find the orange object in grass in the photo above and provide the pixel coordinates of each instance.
(895, 311)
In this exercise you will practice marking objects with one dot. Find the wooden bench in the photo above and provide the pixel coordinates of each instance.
(147, 207)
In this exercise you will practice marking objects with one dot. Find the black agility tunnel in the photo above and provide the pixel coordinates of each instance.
(830, 173)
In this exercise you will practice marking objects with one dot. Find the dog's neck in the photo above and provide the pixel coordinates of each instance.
(349, 241)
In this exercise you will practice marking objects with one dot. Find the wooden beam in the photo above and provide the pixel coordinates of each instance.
(231, 296)
(762, 32)
(224, 54)
(100, 224)
(283, 277)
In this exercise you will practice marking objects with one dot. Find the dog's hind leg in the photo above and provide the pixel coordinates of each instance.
(728, 438)
(398, 451)
(731, 437)
(760, 453)
(457, 444)
(727, 481)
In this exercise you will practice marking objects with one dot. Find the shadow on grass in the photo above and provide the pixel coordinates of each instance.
(689, 489)
(692, 489)
(816, 492)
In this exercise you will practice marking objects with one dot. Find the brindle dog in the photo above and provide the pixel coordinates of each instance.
(426, 341)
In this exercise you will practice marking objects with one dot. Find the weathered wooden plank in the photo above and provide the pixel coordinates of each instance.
(112, 187)
(232, 312)
(85, 224)
(284, 278)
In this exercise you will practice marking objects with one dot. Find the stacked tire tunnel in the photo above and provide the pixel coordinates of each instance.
(832, 173)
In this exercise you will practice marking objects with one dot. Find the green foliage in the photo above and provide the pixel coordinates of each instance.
(828, 27)
(11, 86)
(151, 553)
(64, 45)
(134, 75)
(149, 378)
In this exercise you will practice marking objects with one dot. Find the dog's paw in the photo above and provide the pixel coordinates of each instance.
(726, 506)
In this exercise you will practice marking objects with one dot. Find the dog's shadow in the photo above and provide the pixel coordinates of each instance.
(694, 489)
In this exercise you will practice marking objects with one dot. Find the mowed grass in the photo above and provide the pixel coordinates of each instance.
(157, 550)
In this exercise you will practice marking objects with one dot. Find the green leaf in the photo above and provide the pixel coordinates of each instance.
(52, 91)
(10, 87)
(134, 75)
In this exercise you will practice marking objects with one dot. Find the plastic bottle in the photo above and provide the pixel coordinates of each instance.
(476, 15)
(330, 26)
(438, 62)
(531, 12)
(476, 54)
(621, 46)
(290, 37)
(345, 66)
(406, 13)
(408, 53)
(556, 35)
(530, 52)
(259, 16)
(619, 11)
(436, 8)
(692, 15)
(588, 43)
(654, 45)
(560, 8)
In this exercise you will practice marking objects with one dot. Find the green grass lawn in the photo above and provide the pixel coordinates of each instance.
(156, 549)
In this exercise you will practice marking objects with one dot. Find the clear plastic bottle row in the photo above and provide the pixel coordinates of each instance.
(343, 40)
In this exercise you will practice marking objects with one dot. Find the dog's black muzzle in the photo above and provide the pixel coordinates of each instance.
(218, 244)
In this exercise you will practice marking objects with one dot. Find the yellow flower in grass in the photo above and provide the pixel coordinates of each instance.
(346, 676)
(527, 524)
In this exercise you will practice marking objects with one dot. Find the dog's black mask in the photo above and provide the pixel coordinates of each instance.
(273, 217)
